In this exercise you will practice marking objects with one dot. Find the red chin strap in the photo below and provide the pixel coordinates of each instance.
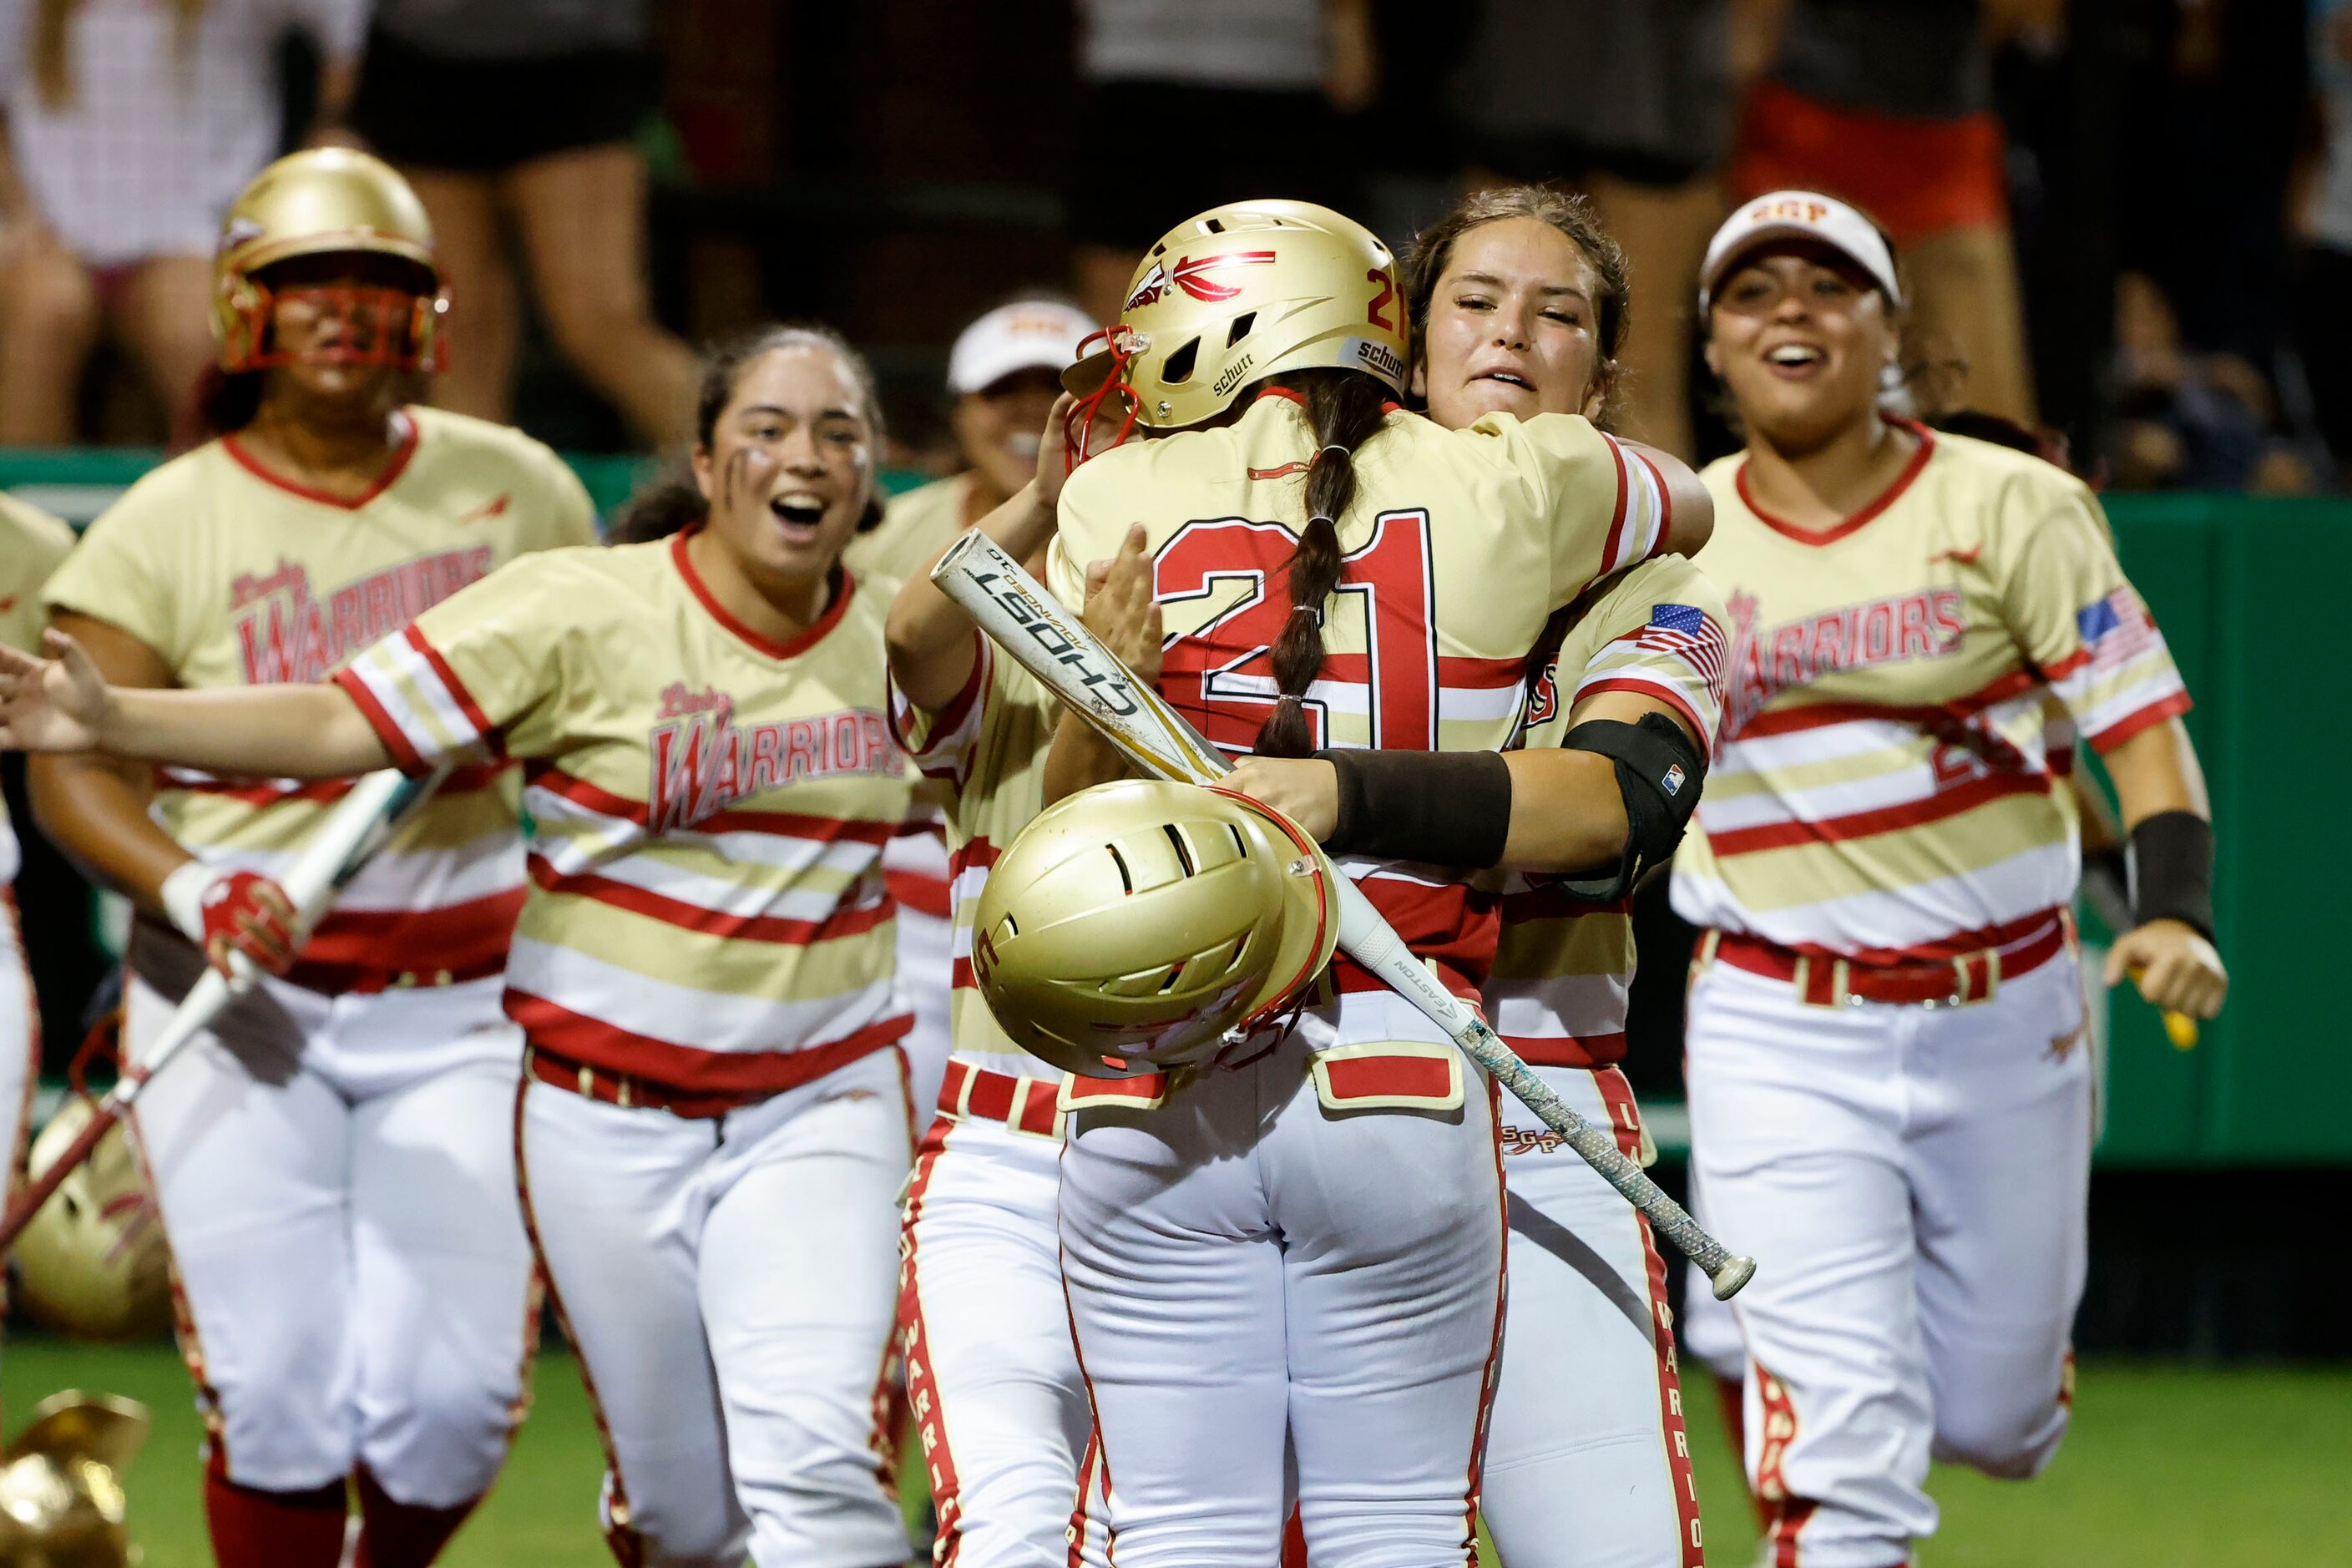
(1078, 424)
(381, 326)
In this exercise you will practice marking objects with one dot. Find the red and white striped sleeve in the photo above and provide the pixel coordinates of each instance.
(2087, 632)
(467, 676)
(943, 743)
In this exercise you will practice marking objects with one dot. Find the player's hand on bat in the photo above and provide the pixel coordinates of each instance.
(2175, 967)
(1119, 607)
(56, 704)
(1304, 789)
(249, 914)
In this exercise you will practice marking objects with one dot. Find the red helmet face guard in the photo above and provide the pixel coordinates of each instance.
(378, 326)
(1078, 424)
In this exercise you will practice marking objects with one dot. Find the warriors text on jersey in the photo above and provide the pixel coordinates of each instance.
(32, 543)
(238, 577)
(1564, 969)
(1904, 698)
(988, 746)
(708, 810)
(1461, 544)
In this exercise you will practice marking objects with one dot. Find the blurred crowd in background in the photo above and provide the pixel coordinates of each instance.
(2127, 222)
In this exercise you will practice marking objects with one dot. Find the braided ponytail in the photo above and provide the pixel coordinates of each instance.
(1344, 409)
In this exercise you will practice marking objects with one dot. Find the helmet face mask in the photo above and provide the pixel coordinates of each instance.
(1231, 297)
(342, 233)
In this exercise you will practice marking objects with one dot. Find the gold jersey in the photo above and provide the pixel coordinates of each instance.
(987, 749)
(1460, 545)
(1904, 694)
(1564, 969)
(238, 577)
(708, 809)
(32, 543)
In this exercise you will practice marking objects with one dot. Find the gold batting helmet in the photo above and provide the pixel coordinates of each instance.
(326, 200)
(92, 1262)
(61, 1487)
(1130, 927)
(1236, 294)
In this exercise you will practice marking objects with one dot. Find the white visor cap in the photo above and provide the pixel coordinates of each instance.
(1028, 334)
(1799, 215)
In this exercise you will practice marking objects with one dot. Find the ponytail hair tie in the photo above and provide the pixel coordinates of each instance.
(1316, 611)
(1327, 451)
(1314, 518)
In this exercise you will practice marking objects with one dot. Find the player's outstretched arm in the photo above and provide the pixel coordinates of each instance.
(930, 639)
(64, 704)
(2169, 824)
(1690, 519)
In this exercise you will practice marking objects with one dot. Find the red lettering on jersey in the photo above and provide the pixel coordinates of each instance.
(702, 762)
(286, 636)
(1766, 662)
(1221, 677)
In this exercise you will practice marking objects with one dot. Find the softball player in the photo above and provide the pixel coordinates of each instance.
(1518, 300)
(32, 543)
(1000, 1404)
(713, 1126)
(1891, 1098)
(332, 1160)
(1001, 371)
(1309, 1247)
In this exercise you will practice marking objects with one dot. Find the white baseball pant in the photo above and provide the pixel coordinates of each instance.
(336, 1178)
(20, 1024)
(728, 1284)
(926, 984)
(1243, 1264)
(992, 1376)
(1588, 1459)
(1912, 1182)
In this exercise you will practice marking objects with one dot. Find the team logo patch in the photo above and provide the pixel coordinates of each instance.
(1673, 783)
(1192, 275)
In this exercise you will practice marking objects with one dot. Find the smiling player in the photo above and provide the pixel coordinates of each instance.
(1891, 1100)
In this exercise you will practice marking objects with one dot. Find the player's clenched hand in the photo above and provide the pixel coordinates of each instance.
(51, 704)
(1119, 607)
(2176, 968)
(1304, 789)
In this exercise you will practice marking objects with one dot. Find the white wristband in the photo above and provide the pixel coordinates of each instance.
(183, 894)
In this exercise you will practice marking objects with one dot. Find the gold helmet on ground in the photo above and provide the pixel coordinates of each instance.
(1129, 927)
(92, 1262)
(327, 200)
(62, 1484)
(1235, 295)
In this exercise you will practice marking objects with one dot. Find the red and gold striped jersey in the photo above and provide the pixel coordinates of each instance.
(238, 577)
(1459, 546)
(1904, 694)
(988, 749)
(708, 809)
(1564, 969)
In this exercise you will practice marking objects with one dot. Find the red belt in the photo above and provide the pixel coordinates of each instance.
(1024, 1104)
(1822, 981)
(631, 1093)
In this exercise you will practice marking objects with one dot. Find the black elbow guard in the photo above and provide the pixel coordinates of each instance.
(1659, 773)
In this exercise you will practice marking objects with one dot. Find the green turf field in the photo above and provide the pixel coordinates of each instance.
(2167, 1468)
